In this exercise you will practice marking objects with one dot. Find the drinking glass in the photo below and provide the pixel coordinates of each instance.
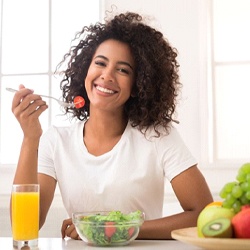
(25, 215)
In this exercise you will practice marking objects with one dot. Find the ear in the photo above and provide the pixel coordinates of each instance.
(133, 93)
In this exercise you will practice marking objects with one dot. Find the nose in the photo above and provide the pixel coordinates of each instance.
(107, 75)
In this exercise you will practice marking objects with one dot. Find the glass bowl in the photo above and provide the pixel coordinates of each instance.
(108, 228)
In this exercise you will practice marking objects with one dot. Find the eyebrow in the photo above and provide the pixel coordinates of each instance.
(119, 62)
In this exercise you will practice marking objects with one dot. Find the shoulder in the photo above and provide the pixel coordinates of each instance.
(54, 132)
(152, 134)
(162, 138)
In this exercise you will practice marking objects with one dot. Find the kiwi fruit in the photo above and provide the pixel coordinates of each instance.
(218, 228)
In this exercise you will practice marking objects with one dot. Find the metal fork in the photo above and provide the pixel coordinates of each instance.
(62, 103)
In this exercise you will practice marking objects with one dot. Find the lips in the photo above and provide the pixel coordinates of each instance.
(105, 90)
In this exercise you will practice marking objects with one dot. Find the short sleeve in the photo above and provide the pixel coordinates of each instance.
(174, 154)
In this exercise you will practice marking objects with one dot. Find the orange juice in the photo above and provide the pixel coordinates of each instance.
(25, 215)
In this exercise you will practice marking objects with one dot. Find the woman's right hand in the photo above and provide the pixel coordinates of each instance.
(68, 230)
(27, 107)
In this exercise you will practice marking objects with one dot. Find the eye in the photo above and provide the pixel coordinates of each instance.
(100, 63)
(123, 70)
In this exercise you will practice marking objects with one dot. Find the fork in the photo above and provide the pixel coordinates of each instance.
(62, 103)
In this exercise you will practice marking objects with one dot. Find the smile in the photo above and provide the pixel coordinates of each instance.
(104, 90)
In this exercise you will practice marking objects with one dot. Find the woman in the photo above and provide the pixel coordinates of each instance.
(124, 145)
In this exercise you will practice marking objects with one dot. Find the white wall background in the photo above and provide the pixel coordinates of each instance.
(182, 22)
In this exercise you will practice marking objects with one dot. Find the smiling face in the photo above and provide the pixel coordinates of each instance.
(110, 76)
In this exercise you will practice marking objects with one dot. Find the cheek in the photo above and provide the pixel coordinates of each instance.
(87, 84)
(127, 89)
(88, 79)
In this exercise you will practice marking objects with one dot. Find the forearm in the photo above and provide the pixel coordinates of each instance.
(161, 228)
(26, 171)
(192, 199)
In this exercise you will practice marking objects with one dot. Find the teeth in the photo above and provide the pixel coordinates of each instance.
(105, 90)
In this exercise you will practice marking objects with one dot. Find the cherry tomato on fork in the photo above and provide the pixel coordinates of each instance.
(79, 102)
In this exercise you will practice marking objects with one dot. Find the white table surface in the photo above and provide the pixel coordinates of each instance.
(69, 244)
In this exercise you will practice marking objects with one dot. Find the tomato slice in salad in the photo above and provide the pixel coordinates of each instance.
(110, 229)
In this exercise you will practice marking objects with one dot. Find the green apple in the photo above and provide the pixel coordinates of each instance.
(210, 213)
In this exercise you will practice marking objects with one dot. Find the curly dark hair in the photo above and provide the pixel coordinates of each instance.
(156, 83)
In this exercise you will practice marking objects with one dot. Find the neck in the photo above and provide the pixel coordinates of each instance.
(103, 125)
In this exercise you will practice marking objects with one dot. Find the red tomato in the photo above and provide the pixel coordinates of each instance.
(131, 231)
(109, 229)
(79, 102)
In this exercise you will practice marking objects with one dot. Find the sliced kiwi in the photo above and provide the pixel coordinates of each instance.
(218, 228)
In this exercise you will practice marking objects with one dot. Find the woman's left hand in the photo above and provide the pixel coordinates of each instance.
(68, 230)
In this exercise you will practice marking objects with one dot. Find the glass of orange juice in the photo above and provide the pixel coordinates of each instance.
(25, 215)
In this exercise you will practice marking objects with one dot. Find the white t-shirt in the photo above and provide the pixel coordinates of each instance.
(129, 177)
